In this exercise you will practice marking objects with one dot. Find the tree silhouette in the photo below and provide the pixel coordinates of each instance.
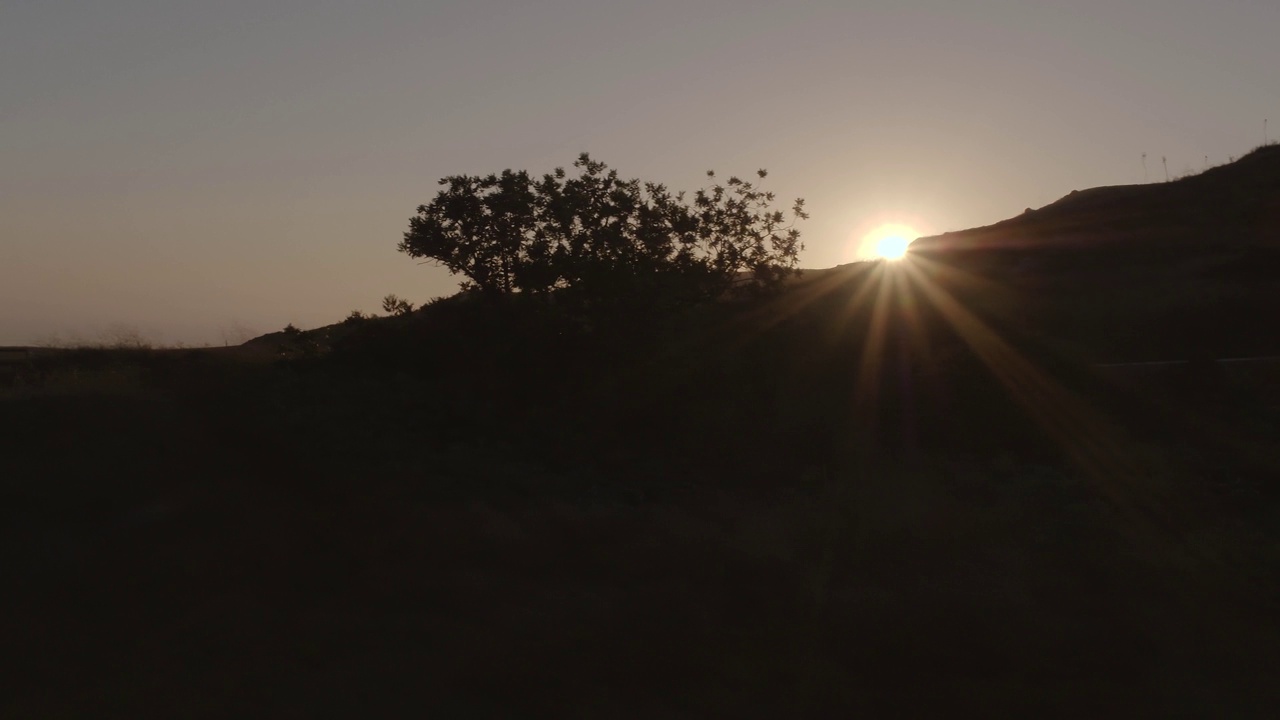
(395, 305)
(597, 238)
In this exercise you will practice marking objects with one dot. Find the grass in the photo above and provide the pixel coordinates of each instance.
(173, 556)
(485, 511)
(926, 600)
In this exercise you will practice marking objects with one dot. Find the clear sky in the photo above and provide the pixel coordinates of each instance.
(204, 171)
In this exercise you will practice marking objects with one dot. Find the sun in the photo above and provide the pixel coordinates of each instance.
(889, 241)
(892, 247)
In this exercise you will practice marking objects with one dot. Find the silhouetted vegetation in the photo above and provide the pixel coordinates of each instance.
(878, 489)
(598, 240)
(394, 305)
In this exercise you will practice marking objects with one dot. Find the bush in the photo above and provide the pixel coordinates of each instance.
(603, 240)
(398, 306)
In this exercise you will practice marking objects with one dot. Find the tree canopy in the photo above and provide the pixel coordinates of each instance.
(596, 236)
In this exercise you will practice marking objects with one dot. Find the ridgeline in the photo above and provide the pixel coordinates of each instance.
(891, 488)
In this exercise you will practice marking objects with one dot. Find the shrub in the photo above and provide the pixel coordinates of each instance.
(603, 239)
(394, 305)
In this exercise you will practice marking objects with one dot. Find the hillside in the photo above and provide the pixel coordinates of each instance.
(1132, 272)
(1141, 272)
(1230, 207)
(893, 489)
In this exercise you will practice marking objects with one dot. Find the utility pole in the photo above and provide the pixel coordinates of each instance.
(1144, 167)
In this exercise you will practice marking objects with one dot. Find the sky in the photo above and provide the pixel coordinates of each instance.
(204, 172)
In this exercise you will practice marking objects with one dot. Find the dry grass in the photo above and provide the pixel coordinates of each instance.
(953, 588)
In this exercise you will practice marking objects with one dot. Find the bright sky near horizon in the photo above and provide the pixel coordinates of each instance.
(202, 172)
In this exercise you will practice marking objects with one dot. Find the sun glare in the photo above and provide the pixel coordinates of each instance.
(892, 247)
(889, 241)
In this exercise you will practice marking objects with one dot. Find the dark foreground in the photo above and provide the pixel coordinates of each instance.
(949, 601)
(171, 554)
(891, 491)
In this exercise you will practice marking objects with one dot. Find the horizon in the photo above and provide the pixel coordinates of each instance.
(203, 175)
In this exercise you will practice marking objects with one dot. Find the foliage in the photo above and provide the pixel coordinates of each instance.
(395, 305)
(299, 344)
(124, 337)
(597, 238)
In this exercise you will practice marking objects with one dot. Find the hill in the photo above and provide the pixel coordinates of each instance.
(1142, 272)
(1230, 207)
(894, 488)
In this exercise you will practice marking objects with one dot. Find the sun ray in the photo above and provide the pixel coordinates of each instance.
(1088, 437)
(1091, 440)
(869, 367)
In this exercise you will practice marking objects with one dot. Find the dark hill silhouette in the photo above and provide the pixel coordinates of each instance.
(894, 488)
(1232, 206)
(1173, 271)
(1130, 272)
(1141, 272)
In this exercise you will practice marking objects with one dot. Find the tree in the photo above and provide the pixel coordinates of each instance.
(597, 238)
(396, 305)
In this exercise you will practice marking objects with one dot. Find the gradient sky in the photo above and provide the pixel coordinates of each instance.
(202, 172)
